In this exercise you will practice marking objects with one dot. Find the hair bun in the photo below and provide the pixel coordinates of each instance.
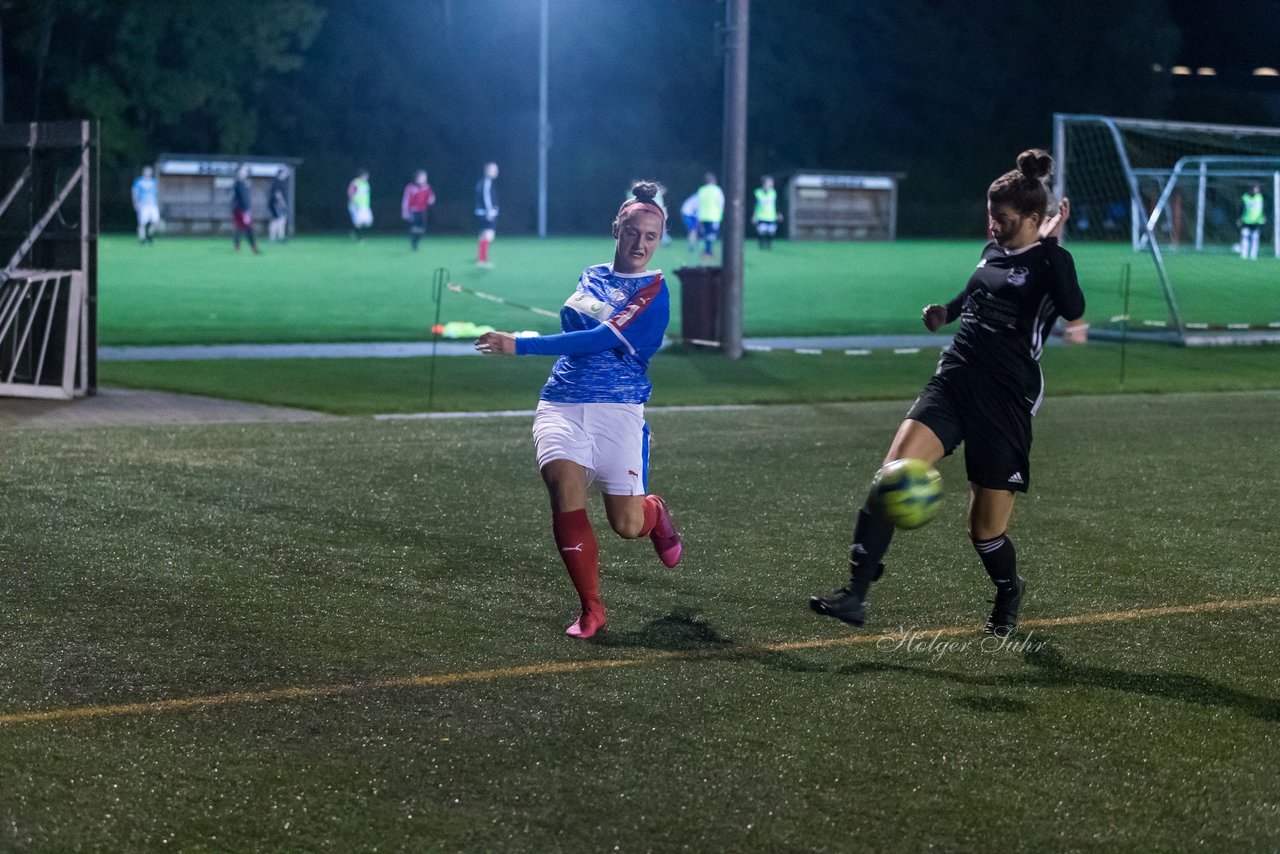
(645, 191)
(1035, 163)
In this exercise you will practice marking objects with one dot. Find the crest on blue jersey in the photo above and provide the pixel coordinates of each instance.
(1017, 276)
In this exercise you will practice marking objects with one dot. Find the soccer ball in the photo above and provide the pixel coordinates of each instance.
(909, 492)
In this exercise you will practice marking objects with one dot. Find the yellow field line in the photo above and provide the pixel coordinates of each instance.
(549, 668)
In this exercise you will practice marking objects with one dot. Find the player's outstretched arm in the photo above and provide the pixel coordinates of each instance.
(497, 344)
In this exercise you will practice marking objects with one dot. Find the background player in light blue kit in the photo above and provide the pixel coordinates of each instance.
(145, 204)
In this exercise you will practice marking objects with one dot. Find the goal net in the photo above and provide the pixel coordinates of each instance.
(1160, 206)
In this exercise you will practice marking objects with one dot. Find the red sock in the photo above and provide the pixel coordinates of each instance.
(650, 515)
(483, 254)
(580, 553)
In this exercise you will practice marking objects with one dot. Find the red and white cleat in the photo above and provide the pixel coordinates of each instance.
(666, 539)
(591, 621)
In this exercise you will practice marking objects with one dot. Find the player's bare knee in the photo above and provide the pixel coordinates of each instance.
(628, 528)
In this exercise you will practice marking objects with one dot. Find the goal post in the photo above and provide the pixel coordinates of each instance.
(1163, 201)
(48, 246)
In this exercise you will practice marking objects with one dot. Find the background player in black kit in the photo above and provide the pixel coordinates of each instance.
(987, 387)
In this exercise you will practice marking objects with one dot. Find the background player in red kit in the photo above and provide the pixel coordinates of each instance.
(418, 196)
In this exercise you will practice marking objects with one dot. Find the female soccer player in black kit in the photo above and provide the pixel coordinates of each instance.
(987, 387)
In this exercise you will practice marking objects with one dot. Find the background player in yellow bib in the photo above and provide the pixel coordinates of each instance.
(766, 214)
(1253, 215)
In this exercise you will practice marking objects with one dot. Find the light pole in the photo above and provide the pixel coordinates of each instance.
(737, 15)
(544, 125)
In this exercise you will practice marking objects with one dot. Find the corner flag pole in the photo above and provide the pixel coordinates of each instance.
(438, 282)
(737, 14)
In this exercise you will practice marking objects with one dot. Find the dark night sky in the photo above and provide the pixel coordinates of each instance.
(946, 91)
(1235, 37)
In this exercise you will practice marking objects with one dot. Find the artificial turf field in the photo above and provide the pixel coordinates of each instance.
(351, 633)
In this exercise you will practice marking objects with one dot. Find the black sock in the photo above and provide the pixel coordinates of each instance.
(872, 534)
(1000, 559)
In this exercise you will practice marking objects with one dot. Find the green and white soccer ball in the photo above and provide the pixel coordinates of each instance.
(909, 492)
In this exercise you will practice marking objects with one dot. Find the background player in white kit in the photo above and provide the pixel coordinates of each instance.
(590, 427)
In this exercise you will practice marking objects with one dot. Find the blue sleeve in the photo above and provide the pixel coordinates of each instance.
(579, 343)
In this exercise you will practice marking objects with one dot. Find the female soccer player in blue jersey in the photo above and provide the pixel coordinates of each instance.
(987, 387)
(589, 427)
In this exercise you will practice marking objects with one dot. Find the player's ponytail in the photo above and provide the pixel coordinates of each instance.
(1035, 163)
(1025, 189)
(645, 192)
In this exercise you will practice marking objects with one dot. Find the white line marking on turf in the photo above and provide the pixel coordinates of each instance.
(529, 413)
(554, 667)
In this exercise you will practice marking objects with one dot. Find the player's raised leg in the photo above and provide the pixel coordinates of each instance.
(872, 532)
(634, 516)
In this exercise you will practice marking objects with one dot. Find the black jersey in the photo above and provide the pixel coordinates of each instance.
(1008, 308)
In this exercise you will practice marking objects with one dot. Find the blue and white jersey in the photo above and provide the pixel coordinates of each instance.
(144, 191)
(612, 326)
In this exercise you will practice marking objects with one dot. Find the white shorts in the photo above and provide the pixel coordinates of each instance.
(148, 214)
(609, 440)
(360, 216)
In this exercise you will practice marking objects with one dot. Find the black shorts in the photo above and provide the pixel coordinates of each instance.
(487, 223)
(993, 421)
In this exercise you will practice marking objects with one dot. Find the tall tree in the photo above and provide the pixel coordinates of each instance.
(178, 75)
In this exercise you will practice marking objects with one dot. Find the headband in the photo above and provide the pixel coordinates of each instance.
(650, 206)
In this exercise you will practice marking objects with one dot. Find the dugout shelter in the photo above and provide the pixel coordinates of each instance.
(843, 205)
(194, 190)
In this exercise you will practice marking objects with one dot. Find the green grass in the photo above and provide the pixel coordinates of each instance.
(196, 291)
(332, 289)
(145, 564)
(368, 386)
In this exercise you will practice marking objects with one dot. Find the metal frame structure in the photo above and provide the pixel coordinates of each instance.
(48, 287)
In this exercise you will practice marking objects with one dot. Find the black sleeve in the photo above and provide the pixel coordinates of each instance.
(1064, 287)
(954, 307)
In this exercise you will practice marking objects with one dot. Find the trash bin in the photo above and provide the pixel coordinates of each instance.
(700, 294)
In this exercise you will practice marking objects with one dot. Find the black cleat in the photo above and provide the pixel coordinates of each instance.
(843, 604)
(1004, 616)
